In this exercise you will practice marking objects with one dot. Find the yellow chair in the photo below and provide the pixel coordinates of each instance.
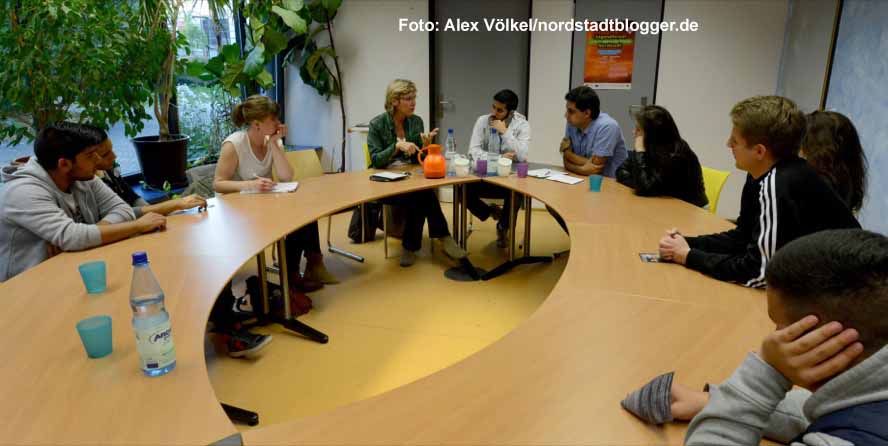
(713, 181)
(307, 164)
(367, 155)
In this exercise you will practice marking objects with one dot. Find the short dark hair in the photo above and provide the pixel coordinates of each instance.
(65, 140)
(507, 97)
(585, 99)
(838, 275)
(773, 121)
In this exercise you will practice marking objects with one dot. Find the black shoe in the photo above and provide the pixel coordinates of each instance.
(246, 344)
(496, 212)
(243, 305)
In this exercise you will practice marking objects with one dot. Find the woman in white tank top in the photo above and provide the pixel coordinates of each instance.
(246, 162)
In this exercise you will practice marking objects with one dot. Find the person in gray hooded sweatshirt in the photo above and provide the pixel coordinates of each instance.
(55, 203)
(834, 285)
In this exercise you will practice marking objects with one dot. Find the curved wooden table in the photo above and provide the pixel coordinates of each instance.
(611, 323)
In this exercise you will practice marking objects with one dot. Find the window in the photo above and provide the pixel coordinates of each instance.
(203, 110)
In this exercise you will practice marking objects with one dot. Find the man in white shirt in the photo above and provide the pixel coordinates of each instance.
(513, 132)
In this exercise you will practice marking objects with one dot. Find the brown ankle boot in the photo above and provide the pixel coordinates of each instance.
(300, 303)
(316, 271)
(302, 284)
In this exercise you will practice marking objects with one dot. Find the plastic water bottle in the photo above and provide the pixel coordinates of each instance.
(493, 151)
(151, 322)
(450, 152)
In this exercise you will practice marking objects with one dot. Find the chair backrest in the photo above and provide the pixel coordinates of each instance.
(305, 163)
(367, 155)
(713, 181)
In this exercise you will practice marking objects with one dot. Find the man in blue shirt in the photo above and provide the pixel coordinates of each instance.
(593, 142)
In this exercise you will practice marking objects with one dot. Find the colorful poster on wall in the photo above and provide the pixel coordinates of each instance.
(609, 59)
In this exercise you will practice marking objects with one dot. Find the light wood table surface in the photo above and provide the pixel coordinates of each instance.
(610, 324)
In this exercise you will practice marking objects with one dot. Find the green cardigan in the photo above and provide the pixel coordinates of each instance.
(381, 139)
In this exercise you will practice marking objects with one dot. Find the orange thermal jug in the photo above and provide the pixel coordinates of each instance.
(433, 163)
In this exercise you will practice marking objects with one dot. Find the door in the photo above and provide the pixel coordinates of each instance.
(620, 103)
(470, 67)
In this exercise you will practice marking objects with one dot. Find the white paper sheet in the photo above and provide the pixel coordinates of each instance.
(566, 179)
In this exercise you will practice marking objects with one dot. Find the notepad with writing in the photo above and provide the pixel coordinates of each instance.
(277, 189)
(564, 178)
(540, 173)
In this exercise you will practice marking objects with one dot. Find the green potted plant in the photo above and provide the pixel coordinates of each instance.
(275, 27)
(271, 26)
(163, 157)
(59, 63)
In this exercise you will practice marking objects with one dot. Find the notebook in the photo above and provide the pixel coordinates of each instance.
(277, 189)
(388, 176)
(564, 178)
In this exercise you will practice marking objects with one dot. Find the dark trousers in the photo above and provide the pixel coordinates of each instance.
(420, 206)
(482, 210)
(304, 240)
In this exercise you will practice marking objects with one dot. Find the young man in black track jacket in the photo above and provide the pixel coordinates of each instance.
(783, 199)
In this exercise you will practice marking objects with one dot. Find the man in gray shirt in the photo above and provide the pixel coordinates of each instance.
(55, 203)
(827, 294)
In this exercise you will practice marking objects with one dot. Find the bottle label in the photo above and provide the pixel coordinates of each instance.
(155, 346)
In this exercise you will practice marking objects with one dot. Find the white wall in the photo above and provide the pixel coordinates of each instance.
(806, 51)
(734, 55)
(372, 52)
(549, 81)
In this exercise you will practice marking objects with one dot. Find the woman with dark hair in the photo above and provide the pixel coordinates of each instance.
(662, 163)
(833, 150)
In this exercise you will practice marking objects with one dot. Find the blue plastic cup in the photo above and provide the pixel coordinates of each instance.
(95, 333)
(595, 183)
(93, 275)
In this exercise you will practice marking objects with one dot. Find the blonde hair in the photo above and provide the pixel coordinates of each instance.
(773, 121)
(255, 108)
(397, 89)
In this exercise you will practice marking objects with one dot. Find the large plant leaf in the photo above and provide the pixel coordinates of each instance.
(265, 80)
(318, 12)
(331, 6)
(231, 74)
(292, 19)
(293, 5)
(195, 68)
(255, 60)
(216, 65)
(275, 41)
(257, 29)
(312, 64)
(231, 52)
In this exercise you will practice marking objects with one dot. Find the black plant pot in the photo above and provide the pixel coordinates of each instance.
(163, 160)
